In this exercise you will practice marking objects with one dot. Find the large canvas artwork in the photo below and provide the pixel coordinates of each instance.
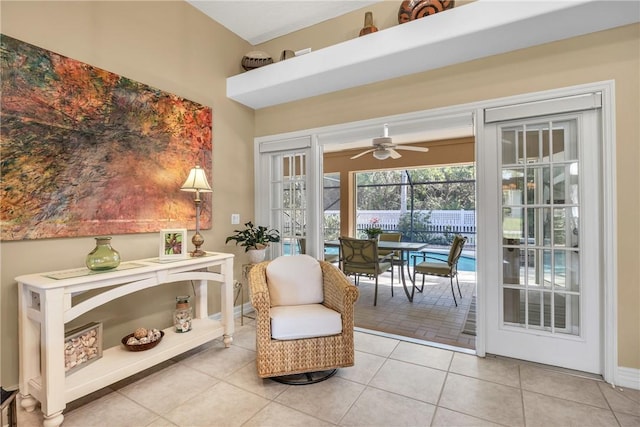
(87, 152)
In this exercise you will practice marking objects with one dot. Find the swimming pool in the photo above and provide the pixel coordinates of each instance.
(465, 263)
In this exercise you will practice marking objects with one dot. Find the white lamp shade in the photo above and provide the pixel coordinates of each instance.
(196, 181)
(381, 154)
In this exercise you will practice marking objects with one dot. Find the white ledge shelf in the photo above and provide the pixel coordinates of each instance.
(465, 33)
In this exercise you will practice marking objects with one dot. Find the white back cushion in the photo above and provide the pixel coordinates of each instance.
(294, 280)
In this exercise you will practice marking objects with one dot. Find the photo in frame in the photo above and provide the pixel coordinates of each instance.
(173, 244)
(82, 346)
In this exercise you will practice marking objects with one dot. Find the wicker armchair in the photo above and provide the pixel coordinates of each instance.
(283, 357)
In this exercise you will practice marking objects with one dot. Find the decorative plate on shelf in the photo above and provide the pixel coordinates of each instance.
(416, 9)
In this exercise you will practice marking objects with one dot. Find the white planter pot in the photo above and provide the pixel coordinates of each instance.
(256, 255)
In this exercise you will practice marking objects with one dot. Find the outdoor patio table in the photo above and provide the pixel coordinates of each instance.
(402, 247)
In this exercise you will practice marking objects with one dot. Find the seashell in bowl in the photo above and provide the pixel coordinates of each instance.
(131, 343)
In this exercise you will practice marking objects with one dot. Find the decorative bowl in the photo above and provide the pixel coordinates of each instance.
(141, 347)
(256, 59)
(416, 9)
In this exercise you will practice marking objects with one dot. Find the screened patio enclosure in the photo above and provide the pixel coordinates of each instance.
(424, 204)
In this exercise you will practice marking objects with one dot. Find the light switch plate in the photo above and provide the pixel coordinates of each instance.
(235, 218)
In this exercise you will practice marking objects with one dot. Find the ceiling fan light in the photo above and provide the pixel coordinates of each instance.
(381, 154)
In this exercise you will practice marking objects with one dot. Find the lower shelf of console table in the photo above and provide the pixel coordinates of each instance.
(118, 363)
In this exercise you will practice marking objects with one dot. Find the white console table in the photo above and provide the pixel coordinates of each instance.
(45, 306)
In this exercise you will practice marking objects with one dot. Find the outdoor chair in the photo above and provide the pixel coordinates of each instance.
(448, 268)
(304, 317)
(394, 256)
(359, 257)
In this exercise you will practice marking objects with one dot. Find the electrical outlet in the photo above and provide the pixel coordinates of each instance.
(35, 301)
(235, 218)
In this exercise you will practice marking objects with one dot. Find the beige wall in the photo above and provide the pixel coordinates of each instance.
(168, 45)
(172, 46)
(612, 54)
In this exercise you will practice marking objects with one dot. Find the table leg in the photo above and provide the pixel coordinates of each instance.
(54, 420)
(404, 282)
(237, 286)
(226, 292)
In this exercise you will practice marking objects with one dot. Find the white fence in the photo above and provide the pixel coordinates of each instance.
(440, 221)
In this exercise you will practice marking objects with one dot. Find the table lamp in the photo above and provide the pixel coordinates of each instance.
(197, 183)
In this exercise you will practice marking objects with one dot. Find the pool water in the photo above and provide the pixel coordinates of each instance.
(465, 263)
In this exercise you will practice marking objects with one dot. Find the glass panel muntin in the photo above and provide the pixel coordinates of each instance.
(288, 200)
(540, 224)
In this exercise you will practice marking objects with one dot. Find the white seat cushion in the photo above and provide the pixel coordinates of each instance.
(304, 321)
(294, 280)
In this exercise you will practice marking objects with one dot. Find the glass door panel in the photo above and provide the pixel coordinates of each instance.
(540, 184)
(288, 200)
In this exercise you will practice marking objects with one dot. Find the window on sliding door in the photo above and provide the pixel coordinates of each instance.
(285, 194)
(543, 293)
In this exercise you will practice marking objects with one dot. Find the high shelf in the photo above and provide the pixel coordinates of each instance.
(45, 306)
(464, 33)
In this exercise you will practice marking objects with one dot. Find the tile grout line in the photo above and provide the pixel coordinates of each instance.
(524, 415)
(444, 383)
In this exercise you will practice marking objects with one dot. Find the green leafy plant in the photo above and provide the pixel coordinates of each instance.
(373, 232)
(254, 237)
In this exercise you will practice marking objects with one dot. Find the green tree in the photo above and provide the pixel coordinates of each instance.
(435, 188)
(444, 188)
(378, 197)
(416, 230)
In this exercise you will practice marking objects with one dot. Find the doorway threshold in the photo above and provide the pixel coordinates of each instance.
(416, 341)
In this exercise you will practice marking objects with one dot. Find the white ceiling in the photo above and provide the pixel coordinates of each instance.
(258, 21)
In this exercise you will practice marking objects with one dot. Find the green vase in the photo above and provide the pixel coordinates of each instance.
(103, 256)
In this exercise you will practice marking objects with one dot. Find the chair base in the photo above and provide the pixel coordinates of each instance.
(305, 378)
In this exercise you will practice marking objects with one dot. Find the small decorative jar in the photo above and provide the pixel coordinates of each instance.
(368, 25)
(182, 315)
(103, 256)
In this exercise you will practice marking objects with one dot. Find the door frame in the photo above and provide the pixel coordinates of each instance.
(292, 143)
(472, 115)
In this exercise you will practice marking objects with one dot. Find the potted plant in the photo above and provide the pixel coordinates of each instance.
(373, 232)
(255, 240)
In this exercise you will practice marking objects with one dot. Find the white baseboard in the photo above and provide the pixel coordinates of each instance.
(247, 307)
(628, 377)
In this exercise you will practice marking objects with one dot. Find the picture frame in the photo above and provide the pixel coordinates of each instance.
(173, 244)
(70, 107)
(82, 346)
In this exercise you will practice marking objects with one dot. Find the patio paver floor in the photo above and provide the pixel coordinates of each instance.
(432, 316)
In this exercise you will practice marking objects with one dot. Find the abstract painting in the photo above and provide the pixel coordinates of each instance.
(86, 152)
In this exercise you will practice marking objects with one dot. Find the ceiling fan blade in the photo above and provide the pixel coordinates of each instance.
(393, 153)
(410, 148)
(363, 153)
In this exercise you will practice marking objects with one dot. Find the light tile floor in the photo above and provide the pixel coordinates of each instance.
(393, 383)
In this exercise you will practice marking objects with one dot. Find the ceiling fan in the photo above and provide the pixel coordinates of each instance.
(383, 147)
